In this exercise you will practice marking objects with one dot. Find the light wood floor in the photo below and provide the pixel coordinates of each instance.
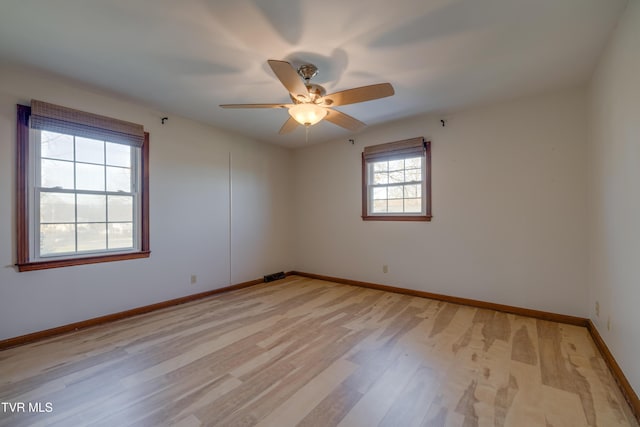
(313, 353)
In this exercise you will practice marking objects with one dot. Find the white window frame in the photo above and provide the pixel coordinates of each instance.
(371, 187)
(35, 190)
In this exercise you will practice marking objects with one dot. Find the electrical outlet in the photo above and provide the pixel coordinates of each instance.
(385, 269)
(609, 323)
(597, 308)
(194, 279)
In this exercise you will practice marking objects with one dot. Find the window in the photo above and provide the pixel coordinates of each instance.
(396, 181)
(82, 188)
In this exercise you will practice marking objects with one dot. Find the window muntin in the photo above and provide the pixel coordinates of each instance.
(396, 181)
(85, 196)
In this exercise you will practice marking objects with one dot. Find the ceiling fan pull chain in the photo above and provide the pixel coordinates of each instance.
(306, 134)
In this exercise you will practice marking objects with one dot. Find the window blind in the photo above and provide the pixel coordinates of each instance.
(396, 149)
(55, 118)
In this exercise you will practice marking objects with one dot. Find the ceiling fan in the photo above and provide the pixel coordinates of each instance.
(310, 102)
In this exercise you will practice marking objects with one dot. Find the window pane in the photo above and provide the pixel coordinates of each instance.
(379, 193)
(89, 150)
(379, 206)
(120, 208)
(413, 205)
(57, 238)
(395, 192)
(57, 207)
(412, 191)
(92, 237)
(395, 165)
(413, 163)
(380, 166)
(55, 173)
(89, 177)
(396, 177)
(92, 208)
(118, 155)
(395, 205)
(118, 179)
(120, 236)
(56, 145)
(413, 175)
(381, 178)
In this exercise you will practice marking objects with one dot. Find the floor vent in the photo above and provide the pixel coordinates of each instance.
(274, 276)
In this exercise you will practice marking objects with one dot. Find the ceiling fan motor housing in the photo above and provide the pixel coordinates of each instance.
(307, 71)
(316, 92)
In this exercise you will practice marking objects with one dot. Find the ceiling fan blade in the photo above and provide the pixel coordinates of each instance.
(288, 126)
(344, 120)
(256, 105)
(290, 79)
(359, 94)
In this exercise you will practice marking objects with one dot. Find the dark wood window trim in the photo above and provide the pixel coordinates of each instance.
(23, 262)
(365, 198)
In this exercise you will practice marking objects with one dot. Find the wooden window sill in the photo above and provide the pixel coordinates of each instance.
(396, 218)
(43, 265)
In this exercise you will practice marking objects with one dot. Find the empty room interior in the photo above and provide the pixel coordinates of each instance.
(409, 213)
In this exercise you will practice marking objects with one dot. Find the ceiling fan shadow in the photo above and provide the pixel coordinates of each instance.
(193, 66)
(285, 16)
(436, 23)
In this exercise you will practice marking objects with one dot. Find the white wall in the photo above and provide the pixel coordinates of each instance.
(509, 199)
(189, 214)
(614, 171)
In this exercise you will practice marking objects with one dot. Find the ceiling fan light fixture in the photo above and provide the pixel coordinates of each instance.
(307, 114)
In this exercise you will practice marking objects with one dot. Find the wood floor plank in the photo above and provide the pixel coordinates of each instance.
(412, 404)
(333, 408)
(313, 353)
(293, 410)
(374, 404)
(523, 349)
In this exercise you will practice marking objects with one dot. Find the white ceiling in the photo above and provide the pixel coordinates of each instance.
(186, 57)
